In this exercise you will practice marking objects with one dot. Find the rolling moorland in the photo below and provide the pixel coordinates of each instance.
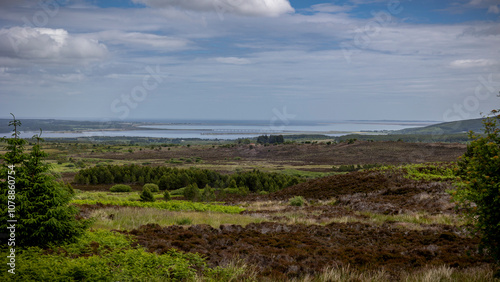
(311, 209)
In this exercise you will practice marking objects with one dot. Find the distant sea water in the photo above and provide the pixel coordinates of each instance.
(218, 129)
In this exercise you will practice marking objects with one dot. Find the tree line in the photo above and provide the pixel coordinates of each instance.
(168, 178)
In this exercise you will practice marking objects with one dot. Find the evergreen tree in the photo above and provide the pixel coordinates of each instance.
(42, 209)
(232, 184)
(164, 182)
(147, 195)
(140, 180)
(208, 194)
(166, 195)
(191, 192)
(263, 139)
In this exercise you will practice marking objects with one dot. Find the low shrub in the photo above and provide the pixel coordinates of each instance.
(166, 196)
(177, 192)
(152, 187)
(120, 188)
(297, 201)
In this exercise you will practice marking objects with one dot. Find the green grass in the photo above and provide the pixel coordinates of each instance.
(173, 205)
(304, 173)
(110, 196)
(427, 171)
(128, 218)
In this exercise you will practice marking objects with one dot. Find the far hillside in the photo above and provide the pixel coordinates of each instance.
(461, 126)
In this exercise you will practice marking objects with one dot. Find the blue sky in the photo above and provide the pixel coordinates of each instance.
(249, 59)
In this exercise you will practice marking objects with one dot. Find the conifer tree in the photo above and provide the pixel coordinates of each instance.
(147, 195)
(191, 192)
(166, 196)
(42, 209)
(208, 194)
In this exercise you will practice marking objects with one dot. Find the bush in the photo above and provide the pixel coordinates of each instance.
(479, 195)
(208, 194)
(166, 196)
(177, 192)
(147, 195)
(191, 192)
(297, 201)
(120, 188)
(152, 187)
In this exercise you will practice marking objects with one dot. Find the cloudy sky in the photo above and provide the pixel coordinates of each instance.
(249, 59)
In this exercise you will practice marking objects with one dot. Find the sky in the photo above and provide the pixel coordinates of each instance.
(249, 59)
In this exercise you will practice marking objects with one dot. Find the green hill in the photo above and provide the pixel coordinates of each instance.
(462, 126)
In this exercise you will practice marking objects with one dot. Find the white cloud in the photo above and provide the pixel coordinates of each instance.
(472, 63)
(153, 41)
(329, 8)
(233, 60)
(267, 8)
(46, 44)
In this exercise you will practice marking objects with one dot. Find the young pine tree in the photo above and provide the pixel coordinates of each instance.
(208, 194)
(191, 192)
(166, 196)
(147, 195)
(42, 209)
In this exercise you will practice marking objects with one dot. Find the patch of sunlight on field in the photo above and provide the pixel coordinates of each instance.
(446, 273)
(297, 218)
(128, 218)
(264, 205)
(415, 221)
(346, 273)
(348, 219)
(426, 274)
(415, 218)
